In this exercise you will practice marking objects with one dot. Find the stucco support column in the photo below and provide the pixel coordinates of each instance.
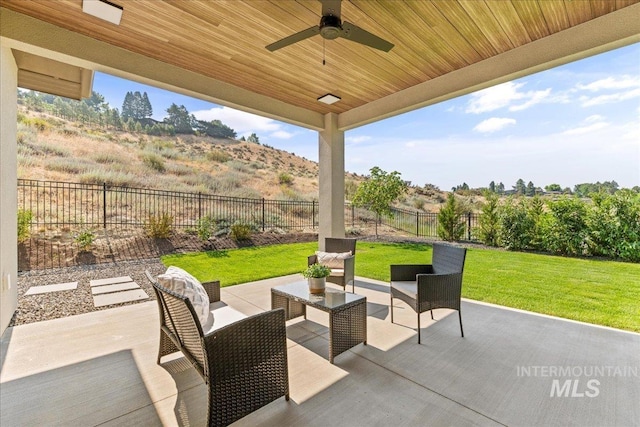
(8, 186)
(331, 180)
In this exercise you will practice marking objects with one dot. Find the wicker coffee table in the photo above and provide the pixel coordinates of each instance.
(347, 313)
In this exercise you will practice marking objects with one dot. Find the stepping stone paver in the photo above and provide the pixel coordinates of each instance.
(119, 297)
(35, 290)
(106, 289)
(110, 281)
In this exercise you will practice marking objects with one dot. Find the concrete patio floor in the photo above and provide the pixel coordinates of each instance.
(511, 368)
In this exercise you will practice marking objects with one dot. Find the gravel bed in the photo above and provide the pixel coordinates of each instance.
(53, 305)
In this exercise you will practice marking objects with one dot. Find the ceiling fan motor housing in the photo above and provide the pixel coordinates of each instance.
(330, 27)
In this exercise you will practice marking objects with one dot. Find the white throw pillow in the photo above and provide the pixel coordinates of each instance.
(182, 283)
(332, 259)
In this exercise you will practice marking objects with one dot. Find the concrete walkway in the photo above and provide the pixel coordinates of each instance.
(511, 368)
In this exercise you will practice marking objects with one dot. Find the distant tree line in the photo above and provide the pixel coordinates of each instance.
(135, 116)
(531, 190)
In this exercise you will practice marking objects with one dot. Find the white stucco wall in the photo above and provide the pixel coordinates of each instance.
(8, 187)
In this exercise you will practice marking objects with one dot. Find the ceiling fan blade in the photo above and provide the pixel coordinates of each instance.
(354, 33)
(331, 7)
(294, 38)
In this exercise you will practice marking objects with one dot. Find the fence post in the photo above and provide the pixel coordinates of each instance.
(417, 224)
(468, 225)
(263, 215)
(199, 206)
(353, 216)
(313, 214)
(104, 205)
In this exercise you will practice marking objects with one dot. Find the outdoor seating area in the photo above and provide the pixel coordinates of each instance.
(101, 368)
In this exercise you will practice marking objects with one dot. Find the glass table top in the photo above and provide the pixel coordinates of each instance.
(330, 299)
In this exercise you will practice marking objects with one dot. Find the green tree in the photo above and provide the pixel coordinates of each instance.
(553, 187)
(127, 107)
(520, 188)
(215, 129)
(146, 110)
(379, 191)
(451, 220)
(253, 138)
(489, 228)
(531, 189)
(136, 106)
(180, 119)
(492, 186)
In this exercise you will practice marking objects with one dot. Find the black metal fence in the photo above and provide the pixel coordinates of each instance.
(69, 206)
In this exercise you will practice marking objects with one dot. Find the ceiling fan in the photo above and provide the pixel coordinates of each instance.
(331, 27)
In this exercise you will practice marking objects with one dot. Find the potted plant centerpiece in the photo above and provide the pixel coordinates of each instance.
(317, 275)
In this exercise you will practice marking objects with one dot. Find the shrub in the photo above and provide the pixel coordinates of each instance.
(159, 226)
(25, 217)
(239, 166)
(84, 239)
(154, 161)
(106, 158)
(614, 225)
(205, 228)
(285, 179)
(240, 231)
(41, 125)
(67, 165)
(565, 230)
(218, 156)
(418, 203)
(450, 220)
(517, 226)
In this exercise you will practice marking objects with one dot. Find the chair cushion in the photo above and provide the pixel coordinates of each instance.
(223, 314)
(409, 287)
(182, 283)
(332, 259)
(337, 272)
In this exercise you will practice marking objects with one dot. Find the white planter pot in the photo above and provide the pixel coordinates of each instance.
(317, 284)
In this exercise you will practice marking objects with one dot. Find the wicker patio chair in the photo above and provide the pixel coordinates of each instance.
(244, 363)
(345, 275)
(428, 286)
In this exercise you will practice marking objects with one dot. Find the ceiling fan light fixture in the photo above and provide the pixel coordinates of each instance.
(103, 9)
(329, 99)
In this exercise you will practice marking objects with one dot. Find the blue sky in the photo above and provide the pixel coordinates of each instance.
(576, 123)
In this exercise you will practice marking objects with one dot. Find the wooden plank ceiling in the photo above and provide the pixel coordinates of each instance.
(226, 40)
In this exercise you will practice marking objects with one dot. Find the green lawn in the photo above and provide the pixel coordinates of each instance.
(601, 292)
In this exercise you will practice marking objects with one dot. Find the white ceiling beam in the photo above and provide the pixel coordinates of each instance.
(31, 35)
(616, 29)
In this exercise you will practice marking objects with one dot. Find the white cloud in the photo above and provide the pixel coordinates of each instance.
(243, 123)
(533, 99)
(357, 139)
(590, 124)
(619, 82)
(493, 124)
(282, 134)
(503, 95)
(619, 88)
(608, 99)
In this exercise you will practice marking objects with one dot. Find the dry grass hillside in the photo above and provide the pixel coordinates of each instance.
(50, 148)
(53, 149)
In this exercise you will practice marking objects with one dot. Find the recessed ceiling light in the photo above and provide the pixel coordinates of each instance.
(329, 99)
(103, 9)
